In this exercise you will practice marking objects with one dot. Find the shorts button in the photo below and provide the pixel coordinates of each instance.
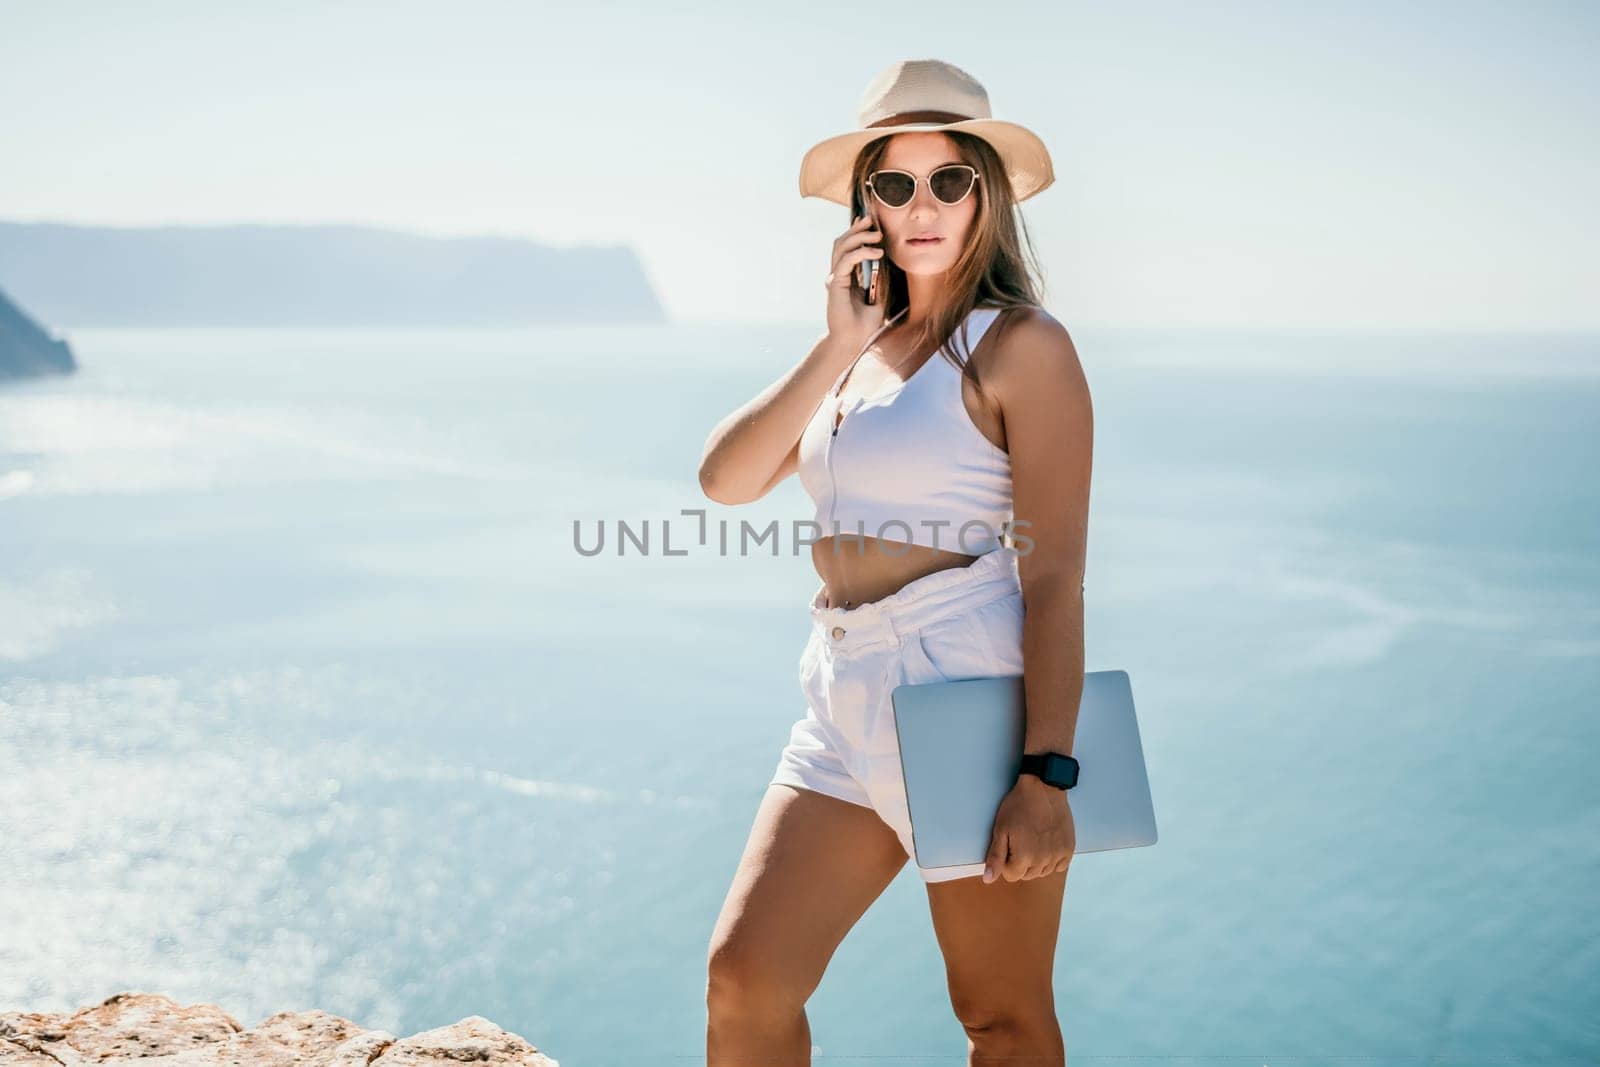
(838, 632)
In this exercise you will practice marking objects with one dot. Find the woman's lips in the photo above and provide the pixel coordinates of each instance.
(923, 240)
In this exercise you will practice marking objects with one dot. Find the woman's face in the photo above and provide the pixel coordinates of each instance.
(920, 154)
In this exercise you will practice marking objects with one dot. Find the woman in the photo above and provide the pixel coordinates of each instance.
(915, 462)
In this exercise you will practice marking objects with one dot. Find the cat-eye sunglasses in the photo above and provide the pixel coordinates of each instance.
(949, 184)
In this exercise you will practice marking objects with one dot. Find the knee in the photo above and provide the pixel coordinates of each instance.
(745, 983)
(1012, 1023)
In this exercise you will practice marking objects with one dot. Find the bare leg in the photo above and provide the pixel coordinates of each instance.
(999, 945)
(812, 865)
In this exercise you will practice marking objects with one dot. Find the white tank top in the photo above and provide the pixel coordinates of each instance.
(909, 465)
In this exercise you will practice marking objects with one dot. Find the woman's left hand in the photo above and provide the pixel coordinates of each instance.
(1033, 833)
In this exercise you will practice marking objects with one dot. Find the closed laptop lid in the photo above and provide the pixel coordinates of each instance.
(961, 749)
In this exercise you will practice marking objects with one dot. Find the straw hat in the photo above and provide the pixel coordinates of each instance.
(925, 94)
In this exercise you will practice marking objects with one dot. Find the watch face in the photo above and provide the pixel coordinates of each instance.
(1060, 770)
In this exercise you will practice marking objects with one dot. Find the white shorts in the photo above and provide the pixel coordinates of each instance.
(963, 622)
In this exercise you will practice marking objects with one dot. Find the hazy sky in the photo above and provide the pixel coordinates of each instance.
(1283, 164)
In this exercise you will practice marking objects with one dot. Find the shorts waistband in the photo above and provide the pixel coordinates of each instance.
(918, 603)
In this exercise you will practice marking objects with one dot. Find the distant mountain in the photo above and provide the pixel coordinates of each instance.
(26, 349)
(307, 275)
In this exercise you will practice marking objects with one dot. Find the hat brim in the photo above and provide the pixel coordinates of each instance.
(825, 168)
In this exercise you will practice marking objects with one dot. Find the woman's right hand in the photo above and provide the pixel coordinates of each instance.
(850, 317)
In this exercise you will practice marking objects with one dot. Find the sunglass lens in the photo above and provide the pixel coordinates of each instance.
(894, 189)
(950, 184)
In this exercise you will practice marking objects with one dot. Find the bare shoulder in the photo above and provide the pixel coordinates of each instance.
(1034, 356)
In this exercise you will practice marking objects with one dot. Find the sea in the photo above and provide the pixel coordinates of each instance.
(315, 692)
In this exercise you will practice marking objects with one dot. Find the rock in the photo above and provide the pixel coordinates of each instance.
(472, 1040)
(26, 349)
(157, 1031)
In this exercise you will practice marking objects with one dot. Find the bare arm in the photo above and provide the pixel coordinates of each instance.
(1049, 419)
(758, 445)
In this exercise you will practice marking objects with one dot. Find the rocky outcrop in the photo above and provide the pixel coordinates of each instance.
(159, 1032)
(26, 349)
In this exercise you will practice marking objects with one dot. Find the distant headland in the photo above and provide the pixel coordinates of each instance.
(313, 275)
(26, 349)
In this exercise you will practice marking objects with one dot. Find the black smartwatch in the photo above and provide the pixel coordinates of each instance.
(1053, 768)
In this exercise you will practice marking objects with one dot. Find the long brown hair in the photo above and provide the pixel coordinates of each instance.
(998, 266)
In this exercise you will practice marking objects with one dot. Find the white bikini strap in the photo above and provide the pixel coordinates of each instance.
(983, 328)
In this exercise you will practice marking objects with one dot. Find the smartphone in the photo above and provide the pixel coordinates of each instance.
(869, 272)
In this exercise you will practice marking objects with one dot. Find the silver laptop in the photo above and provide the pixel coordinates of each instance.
(961, 748)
